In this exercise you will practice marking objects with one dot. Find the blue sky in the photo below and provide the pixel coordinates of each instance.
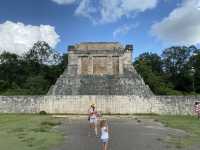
(150, 25)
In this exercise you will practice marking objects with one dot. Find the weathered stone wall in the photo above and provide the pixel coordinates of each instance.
(96, 58)
(98, 65)
(97, 46)
(178, 105)
(20, 104)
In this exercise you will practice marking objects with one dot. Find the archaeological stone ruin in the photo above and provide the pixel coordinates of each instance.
(100, 73)
(100, 68)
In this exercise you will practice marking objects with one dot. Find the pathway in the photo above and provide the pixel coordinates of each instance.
(126, 134)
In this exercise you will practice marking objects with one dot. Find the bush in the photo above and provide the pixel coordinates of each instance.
(43, 112)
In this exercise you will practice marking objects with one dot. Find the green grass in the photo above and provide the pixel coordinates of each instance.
(190, 124)
(28, 132)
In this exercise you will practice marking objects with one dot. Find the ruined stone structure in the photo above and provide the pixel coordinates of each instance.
(100, 73)
(100, 68)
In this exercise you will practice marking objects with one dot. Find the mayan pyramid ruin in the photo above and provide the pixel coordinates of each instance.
(100, 68)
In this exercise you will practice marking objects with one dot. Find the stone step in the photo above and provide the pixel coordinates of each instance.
(128, 84)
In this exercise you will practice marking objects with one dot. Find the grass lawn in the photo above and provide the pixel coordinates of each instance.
(28, 132)
(190, 124)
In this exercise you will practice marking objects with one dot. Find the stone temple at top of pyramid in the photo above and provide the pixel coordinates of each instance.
(100, 68)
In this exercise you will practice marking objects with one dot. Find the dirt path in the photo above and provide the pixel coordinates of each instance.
(126, 134)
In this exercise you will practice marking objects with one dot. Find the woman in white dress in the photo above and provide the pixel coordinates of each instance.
(92, 118)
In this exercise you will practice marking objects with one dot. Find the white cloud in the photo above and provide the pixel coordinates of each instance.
(124, 29)
(182, 26)
(86, 9)
(113, 10)
(64, 2)
(106, 11)
(19, 38)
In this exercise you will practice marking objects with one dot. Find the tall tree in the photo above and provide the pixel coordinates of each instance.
(42, 53)
(177, 67)
(175, 60)
(10, 68)
(32, 73)
(149, 66)
(195, 63)
(152, 60)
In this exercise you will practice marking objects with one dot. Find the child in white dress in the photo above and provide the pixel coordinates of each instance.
(104, 134)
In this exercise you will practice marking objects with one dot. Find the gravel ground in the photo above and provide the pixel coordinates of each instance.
(126, 133)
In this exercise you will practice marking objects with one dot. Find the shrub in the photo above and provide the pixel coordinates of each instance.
(43, 112)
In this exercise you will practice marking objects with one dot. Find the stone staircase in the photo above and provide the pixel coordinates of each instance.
(130, 83)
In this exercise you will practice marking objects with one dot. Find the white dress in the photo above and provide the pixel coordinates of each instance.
(104, 133)
(93, 117)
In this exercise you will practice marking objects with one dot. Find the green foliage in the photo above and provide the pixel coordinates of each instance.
(149, 66)
(195, 62)
(177, 72)
(37, 85)
(42, 53)
(43, 112)
(3, 85)
(30, 74)
(64, 61)
(177, 67)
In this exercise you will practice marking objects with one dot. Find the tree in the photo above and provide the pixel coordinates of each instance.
(32, 73)
(7, 58)
(149, 66)
(42, 53)
(177, 67)
(10, 68)
(195, 63)
(3, 86)
(64, 61)
(37, 85)
(175, 60)
(152, 60)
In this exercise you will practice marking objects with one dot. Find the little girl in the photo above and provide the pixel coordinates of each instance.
(104, 134)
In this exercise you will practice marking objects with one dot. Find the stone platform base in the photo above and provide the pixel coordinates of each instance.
(176, 105)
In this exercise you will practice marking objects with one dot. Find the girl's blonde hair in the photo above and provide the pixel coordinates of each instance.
(103, 123)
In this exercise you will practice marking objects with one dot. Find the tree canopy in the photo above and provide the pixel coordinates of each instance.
(175, 72)
(30, 74)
